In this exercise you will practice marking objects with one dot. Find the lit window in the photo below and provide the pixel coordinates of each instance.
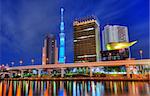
(88, 29)
(75, 40)
(84, 56)
(83, 37)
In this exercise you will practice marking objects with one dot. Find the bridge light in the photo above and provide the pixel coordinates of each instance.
(32, 61)
(12, 63)
(47, 60)
(20, 62)
(141, 56)
(7, 64)
(141, 53)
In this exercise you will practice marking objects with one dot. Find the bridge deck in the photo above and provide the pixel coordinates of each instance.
(86, 64)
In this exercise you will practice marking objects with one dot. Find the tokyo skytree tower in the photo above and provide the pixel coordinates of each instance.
(62, 39)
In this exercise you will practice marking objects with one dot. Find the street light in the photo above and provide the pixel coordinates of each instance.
(141, 53)
(12, 63)
(110, 56)
(47, 60)
(32, 61)
(85, 58)
(7, 64)
(20, 62)
(141, 56)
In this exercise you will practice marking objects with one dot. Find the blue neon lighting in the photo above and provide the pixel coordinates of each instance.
(62, 26)
(62, 40)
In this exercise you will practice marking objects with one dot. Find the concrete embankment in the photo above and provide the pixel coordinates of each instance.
(79, 79)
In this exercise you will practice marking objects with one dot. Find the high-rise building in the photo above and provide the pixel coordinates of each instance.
(50, 50)
(62, 39)
(114, 33)
(86, 40)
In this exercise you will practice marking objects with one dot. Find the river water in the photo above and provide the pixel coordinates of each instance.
(74, 88)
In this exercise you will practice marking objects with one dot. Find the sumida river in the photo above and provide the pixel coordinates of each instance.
(74, 88)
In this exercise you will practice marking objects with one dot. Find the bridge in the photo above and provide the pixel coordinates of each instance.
(126, 63)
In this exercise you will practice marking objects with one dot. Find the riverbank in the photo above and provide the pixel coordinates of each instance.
(78, 79)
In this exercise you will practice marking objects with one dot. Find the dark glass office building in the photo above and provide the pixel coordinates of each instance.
(50, 50)
(86, 40)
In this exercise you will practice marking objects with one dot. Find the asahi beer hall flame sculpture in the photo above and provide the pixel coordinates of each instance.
(119, 45)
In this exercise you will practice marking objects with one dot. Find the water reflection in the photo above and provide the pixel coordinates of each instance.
(31, 89)
(73, 88)
(10, 89)
(0, 88)
(5, 89)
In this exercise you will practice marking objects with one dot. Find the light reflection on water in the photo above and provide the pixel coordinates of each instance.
(74, 88)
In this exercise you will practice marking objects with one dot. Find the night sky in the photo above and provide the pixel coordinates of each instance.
(25, 23)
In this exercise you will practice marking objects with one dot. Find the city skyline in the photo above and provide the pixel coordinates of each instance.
(21, 48)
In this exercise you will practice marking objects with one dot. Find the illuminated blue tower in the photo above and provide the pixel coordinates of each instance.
(62, 40)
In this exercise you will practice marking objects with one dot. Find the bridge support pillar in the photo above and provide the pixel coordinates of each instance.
(30, 71)
(62, 72)
(128, 71)
(22, 73)
(87, 70)
(39, 72)
(91, 74)
(149, 75)
(49, 71)
(11, 73)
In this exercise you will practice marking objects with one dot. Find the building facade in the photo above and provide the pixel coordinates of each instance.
(115, 55)
(86, 40)
(50, 50)
(114, 33)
